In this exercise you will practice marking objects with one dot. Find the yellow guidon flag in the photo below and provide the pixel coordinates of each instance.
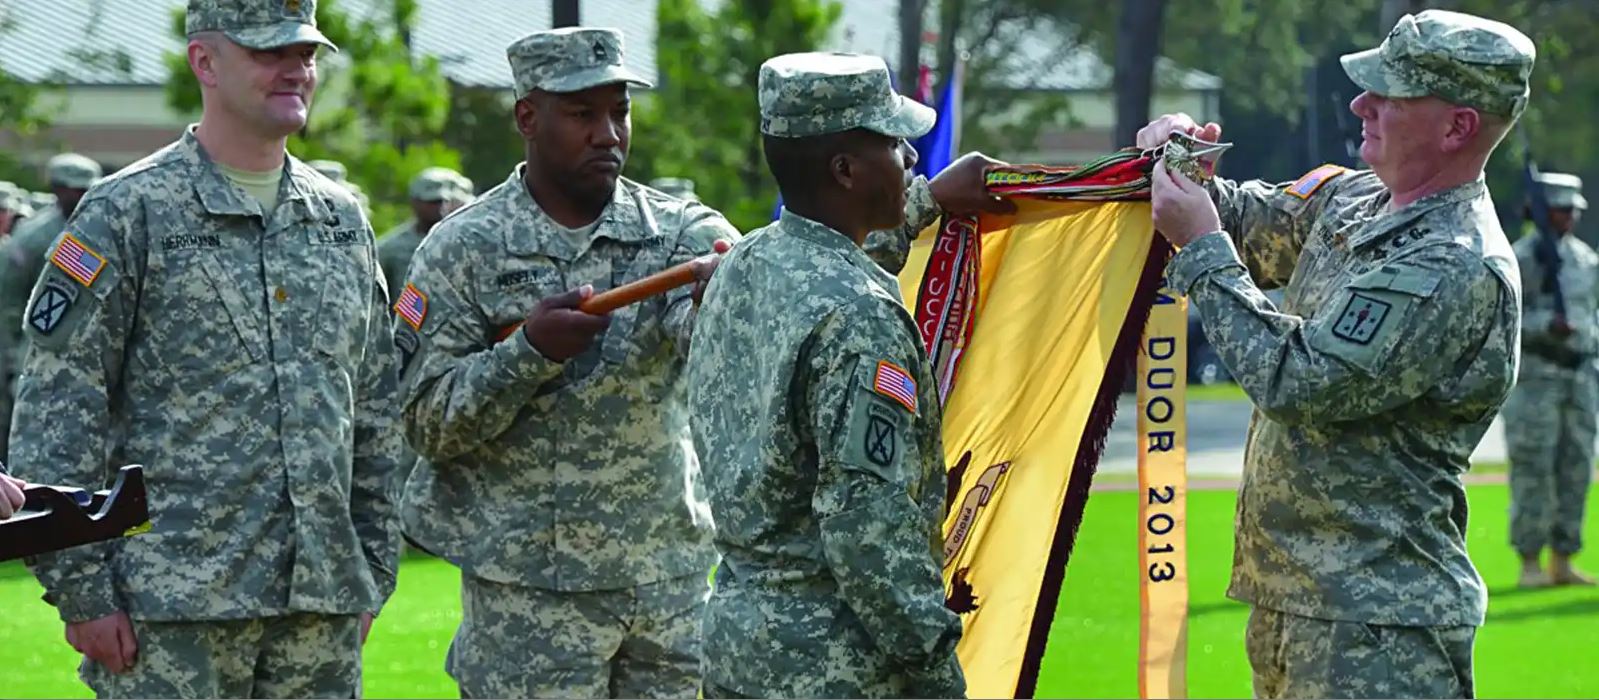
(1033, 321)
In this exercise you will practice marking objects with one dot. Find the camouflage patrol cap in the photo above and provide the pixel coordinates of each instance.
(257, 24)
(41, 200)
(465, 190)
(10, 197)
(809, 94)
(330, 169)
(1459, 58)
(569, 59)
(435, 185)
(680, 187)
(73, 171)
(1563, 191)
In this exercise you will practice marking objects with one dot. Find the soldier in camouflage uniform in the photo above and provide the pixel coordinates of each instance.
(431, 191)
(814, 410)
(14, 207)
(215, 313)
(21, 260)
(679, 187)
(1550, 416)
(335, 171)
(1393, 350)
(556, 467)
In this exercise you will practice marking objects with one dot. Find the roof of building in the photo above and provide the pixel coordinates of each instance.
(120, 42)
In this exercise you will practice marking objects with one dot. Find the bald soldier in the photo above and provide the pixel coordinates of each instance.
(1393, 350)
(432, 193)
(1550, 417)
(815, 411)
(214, 312)
(22, 258)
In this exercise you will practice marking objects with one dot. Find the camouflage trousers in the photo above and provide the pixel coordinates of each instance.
(1304, 657)
(519, 642)
(303, 655)
(1549, 432)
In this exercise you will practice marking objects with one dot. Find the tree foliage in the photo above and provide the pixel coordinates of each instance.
(379, 110)
(703, 122)
(21, 113)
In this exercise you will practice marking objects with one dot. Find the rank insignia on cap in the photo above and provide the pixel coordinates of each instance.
(291, 6)
(896, 384)
(77, 260)
(600, 54)
(1307, 184)
(412, 306)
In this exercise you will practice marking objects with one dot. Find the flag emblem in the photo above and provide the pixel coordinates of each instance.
(1313, 180)
(895, 383)
(412, 306)
(77, 260)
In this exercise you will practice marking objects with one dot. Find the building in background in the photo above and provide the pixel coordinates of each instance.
(108, 100)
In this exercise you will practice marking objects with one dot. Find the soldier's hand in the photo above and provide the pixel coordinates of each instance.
(11, 496)
(960, 189)
(1158, 131)
(558, 330)
(1182, 208)
(1560, 327)
(109, 641)
(366, 626)
(705, 266)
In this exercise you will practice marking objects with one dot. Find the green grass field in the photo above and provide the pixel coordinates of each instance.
(1537, 644)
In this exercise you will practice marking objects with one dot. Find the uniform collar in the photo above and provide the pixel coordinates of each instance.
(532, 232)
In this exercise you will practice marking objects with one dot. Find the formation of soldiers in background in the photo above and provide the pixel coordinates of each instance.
(223, 313)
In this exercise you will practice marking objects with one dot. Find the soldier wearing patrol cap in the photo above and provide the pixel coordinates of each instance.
(827, 485)
(1550, 418)
(13, 207)
(335, 171)
(21, 260)
(1394, 348)
(215, 313)
(557, 472)
(431, 191)
(679, 187)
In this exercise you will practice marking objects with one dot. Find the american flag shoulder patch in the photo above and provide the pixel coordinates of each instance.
(79, 261)
(412, 306)
(894, 382)
(1308, 183)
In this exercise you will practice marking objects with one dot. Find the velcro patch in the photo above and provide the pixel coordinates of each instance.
(895, 383)
(1361, 319)
(881, 441)
(412, 306)
(1308, 183)
(77, 260)
(50, 307)
(343, 236)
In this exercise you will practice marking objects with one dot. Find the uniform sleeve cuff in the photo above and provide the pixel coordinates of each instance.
(523, 361)
(94, 602)
(921, 209)
(1203, 255)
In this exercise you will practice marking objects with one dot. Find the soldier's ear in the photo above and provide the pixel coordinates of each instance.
(527, 116)
(841, 168)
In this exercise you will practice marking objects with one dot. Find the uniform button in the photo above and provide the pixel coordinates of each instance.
(282, 295)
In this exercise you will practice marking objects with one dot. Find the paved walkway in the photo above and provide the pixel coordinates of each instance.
(1216, 432)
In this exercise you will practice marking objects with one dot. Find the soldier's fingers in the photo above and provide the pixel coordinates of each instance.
(11, 497)
(721, 246)
(568, 299)
(127, 644)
